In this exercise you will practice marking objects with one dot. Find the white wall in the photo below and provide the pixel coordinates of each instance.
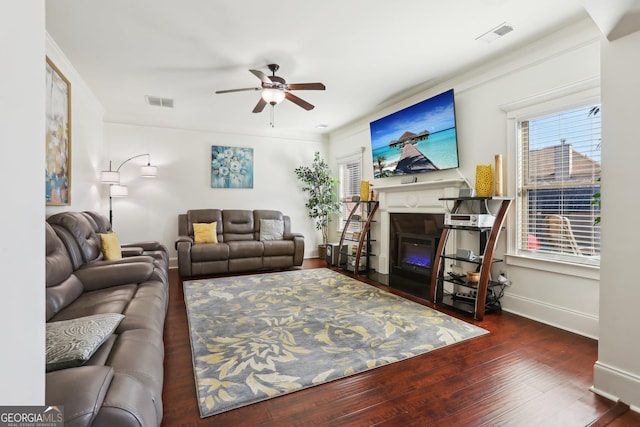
(617, 371)
(86, 137)
(22, 247)
(183, 158)
(567, 57)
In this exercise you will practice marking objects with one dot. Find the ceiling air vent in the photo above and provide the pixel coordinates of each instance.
(495, 33)
(156, 101)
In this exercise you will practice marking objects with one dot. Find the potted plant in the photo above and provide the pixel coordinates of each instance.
(322, 200)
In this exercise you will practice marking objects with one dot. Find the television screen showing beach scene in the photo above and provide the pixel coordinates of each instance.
(420, 138)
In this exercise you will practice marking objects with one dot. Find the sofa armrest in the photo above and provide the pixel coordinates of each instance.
(292, 236)
(298, 241)
(128, 251)
(184, 239)
(151, 245)
(106, 276)
(80, 390)
(124, 260)
(183, 246)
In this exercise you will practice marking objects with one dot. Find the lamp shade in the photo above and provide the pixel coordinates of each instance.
(273, 96)
(117, 190)
(110, 177)
(149, 171)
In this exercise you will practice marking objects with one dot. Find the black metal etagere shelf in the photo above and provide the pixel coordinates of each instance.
(351, 257)
(475, 301)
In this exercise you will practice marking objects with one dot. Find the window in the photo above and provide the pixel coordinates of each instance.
(350, 170)
(558, 174)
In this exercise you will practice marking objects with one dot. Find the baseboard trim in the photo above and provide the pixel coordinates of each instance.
(560, 317)
(616, 384)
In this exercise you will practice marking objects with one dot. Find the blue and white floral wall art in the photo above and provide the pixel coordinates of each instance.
(231, 167)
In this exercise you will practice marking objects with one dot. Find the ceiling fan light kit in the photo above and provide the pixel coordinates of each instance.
(274, 89)
(273, 96)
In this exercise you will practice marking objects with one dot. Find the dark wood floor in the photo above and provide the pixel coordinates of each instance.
(523, 373)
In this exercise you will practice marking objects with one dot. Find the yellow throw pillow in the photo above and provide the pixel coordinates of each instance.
(110, 246)
(205, 233)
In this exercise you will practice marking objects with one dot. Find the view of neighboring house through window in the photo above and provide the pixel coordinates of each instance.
(350, 170)
(559, 171)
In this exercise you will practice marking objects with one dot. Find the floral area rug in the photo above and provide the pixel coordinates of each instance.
(260, 336)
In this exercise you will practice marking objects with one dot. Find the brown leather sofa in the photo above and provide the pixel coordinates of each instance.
(80, 233)
(121, 383)
(241, 246)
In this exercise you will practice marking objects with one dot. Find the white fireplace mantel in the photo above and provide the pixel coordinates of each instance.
(416, 197)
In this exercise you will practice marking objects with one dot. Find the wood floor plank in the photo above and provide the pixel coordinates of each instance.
(522, 373)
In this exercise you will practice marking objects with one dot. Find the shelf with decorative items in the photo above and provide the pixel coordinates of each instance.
(472, 291)
(355, 241)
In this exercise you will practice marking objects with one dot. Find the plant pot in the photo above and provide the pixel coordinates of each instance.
(322, 252)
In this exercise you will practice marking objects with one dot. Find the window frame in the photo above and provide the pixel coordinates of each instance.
(564, 98)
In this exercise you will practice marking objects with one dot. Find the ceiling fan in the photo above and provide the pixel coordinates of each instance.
(275, 89)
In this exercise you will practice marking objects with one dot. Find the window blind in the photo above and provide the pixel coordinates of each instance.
(350, 177)
(559, 174)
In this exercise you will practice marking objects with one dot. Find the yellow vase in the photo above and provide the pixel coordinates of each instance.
(364, 191)
(484, 181)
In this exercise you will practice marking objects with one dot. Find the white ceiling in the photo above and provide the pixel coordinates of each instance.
(367, 53)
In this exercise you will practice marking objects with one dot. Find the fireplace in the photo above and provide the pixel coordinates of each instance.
(415, 253)
(413, 241)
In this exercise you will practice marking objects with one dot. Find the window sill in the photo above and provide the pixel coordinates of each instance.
(554, 266)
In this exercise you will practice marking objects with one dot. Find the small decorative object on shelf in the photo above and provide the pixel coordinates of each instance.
(499, 179)
(364, 191)
(473, 276)
(484, 181)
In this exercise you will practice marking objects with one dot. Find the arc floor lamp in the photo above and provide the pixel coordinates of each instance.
(112, 177)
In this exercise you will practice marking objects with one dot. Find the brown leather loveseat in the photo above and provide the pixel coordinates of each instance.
(244, 240)
(115, 307)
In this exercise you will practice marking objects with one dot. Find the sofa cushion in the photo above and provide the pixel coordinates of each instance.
(62, 287)
(271, 229)
(72, 342)
(82, 390)
(205, 232)
(279, 247)
(245, 249)
(80, 236)
(237, 225)
(110, 245)
(109, 300)
(204, 216)
(210, 252)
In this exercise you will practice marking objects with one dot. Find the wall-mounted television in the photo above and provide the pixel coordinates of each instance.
(420, 138)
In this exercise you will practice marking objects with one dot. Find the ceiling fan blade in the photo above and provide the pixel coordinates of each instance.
(239, 90)
(300, 102)
(259, 106)
(306, 86)
(262, 76)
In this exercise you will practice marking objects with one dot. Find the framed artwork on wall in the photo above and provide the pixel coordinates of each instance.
(57, 137)
(231, 167)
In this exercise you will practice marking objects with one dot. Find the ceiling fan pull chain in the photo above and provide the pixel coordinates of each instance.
(273, 121)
